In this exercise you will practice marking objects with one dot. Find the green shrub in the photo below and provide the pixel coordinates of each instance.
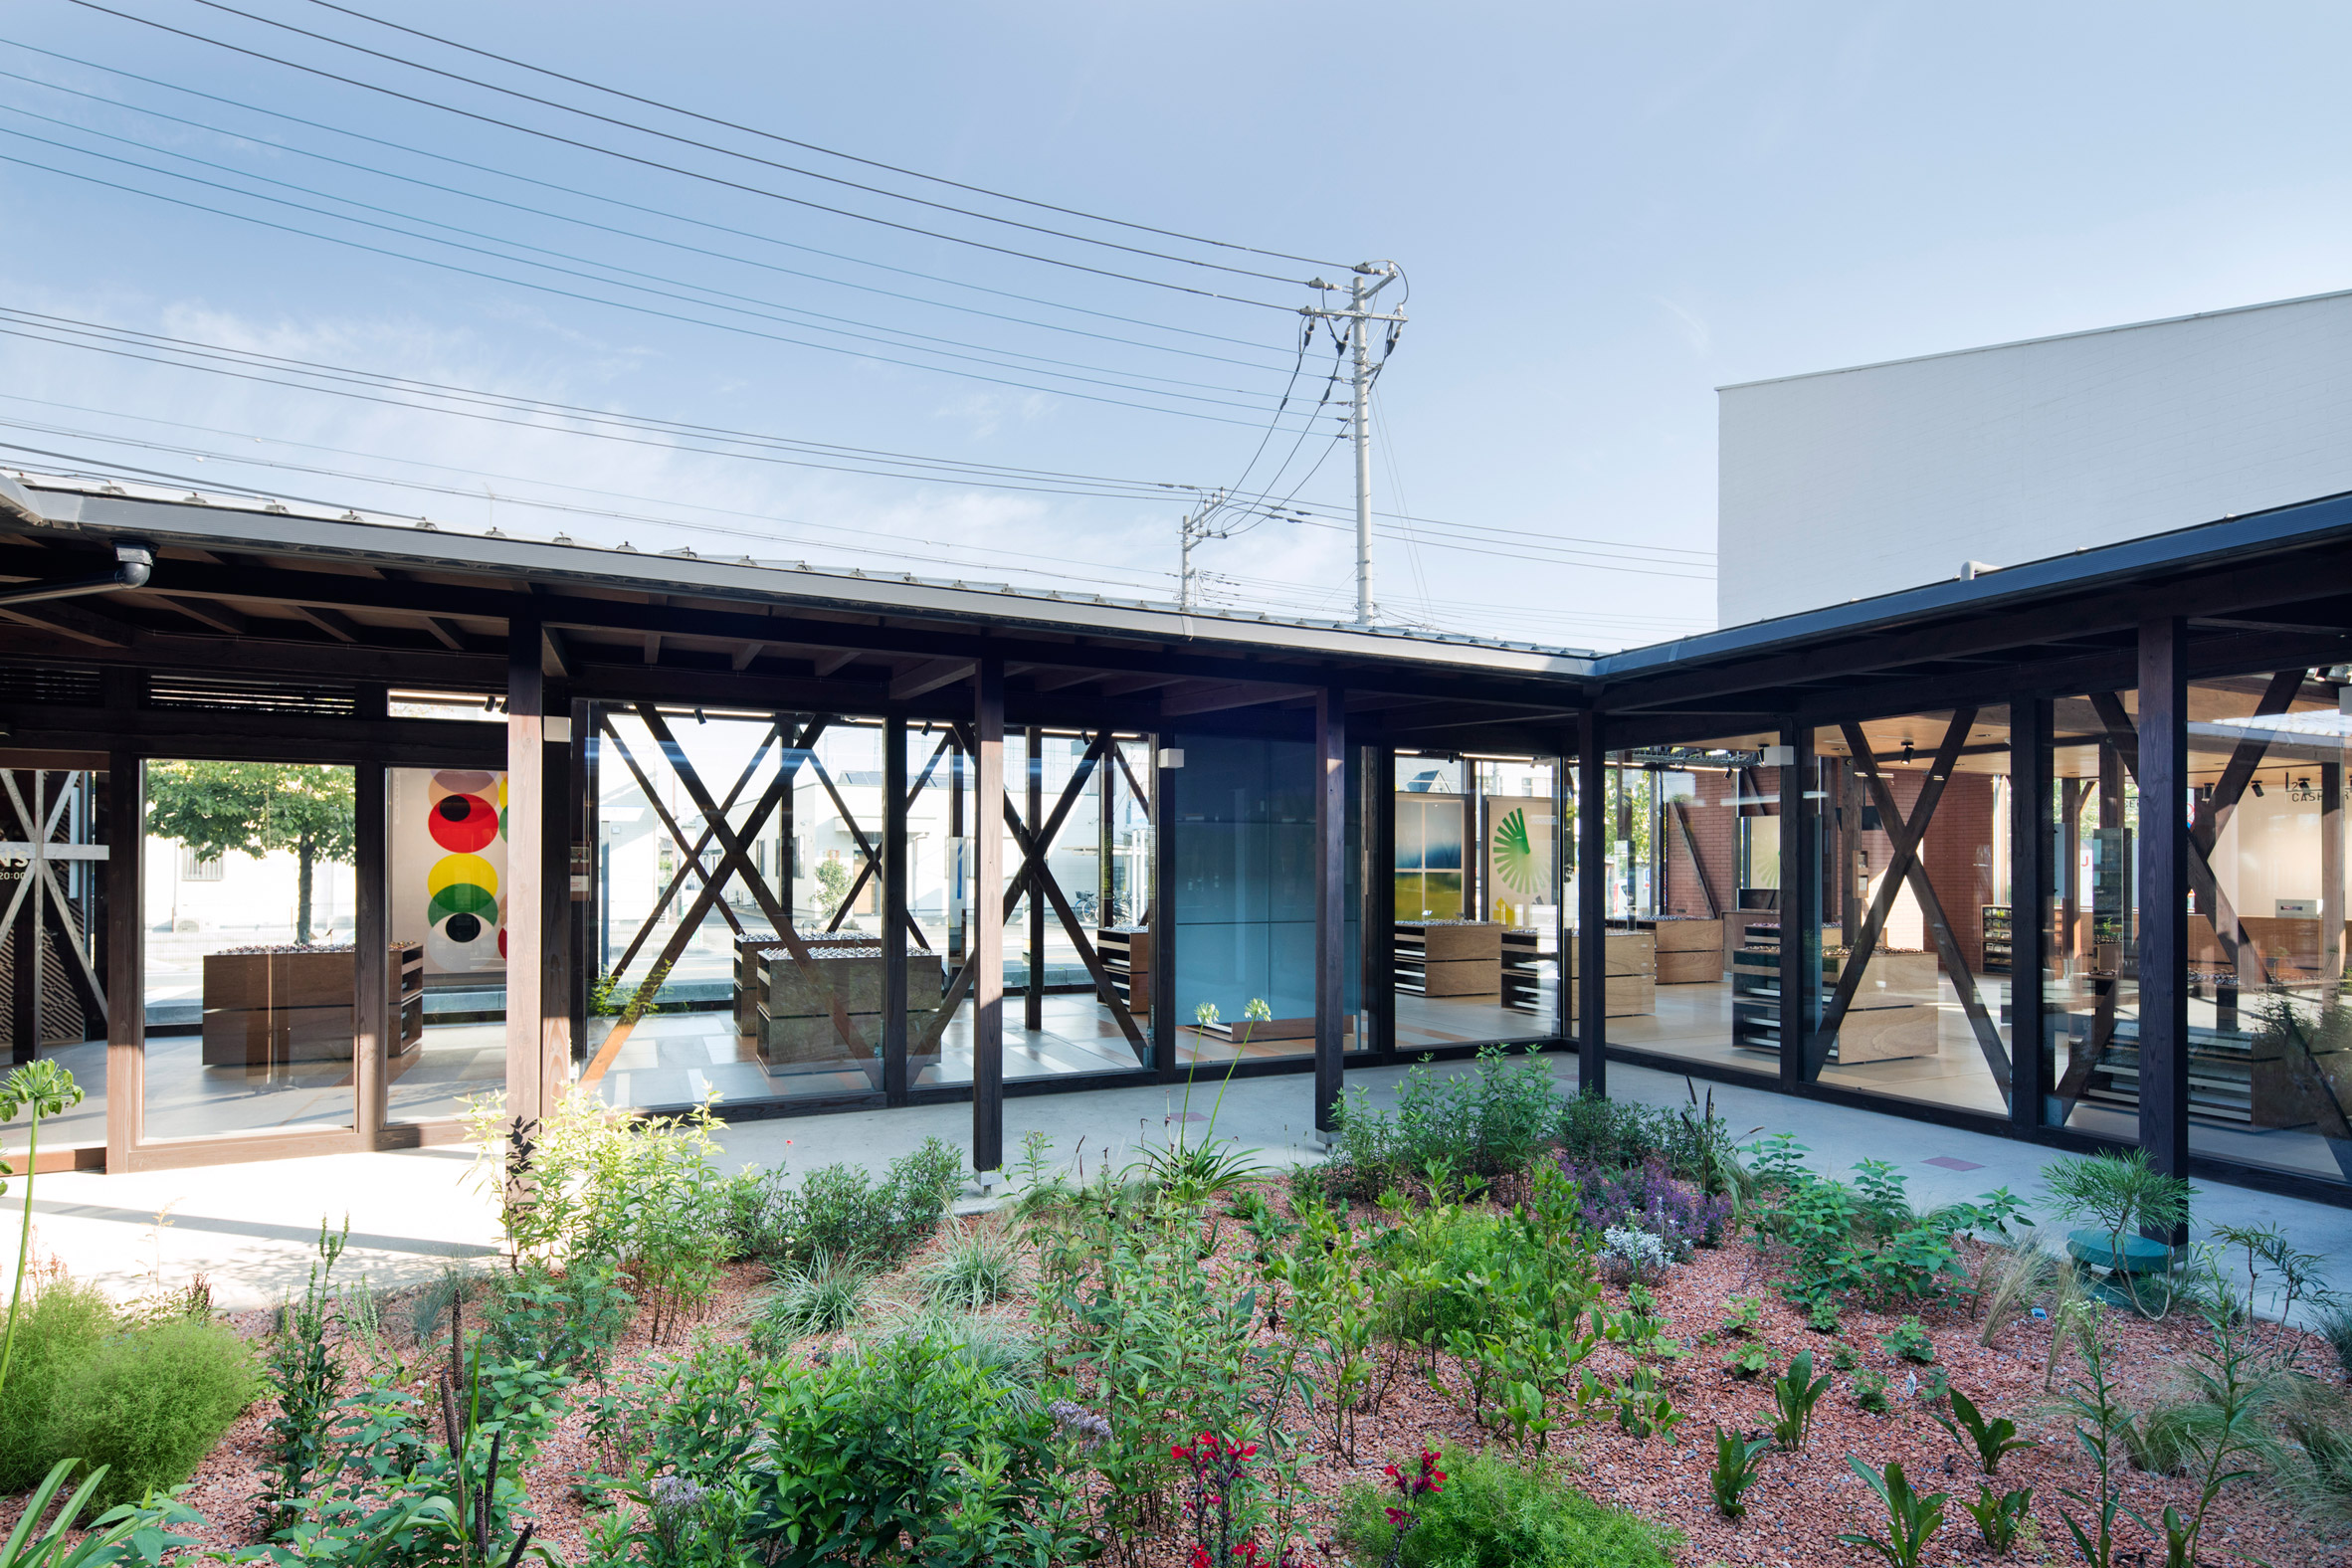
(974, 1269)
(150, 1404)
(841, 1212)
(2334, 1324)
(1909, 1341)
(564, 1322)
(59, 1328)
(1490, 1121)
(1494, 1512)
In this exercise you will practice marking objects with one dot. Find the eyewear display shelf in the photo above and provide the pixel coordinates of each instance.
(1996, 938)
(1126, 951)
(1449, 958)
(1522, 970)
(1755, 993)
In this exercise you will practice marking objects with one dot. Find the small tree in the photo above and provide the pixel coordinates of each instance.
(252, 808)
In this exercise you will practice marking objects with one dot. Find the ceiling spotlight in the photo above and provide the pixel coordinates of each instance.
(2303, 786)
(1906, 748)
(2257, 789)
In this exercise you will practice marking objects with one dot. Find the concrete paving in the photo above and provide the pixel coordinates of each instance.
(249, 1229)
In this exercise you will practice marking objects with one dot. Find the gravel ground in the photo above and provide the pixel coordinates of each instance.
(1795, 1511)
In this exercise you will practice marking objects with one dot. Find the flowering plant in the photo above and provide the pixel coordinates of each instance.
(1409, 1489)
(1220, 1470)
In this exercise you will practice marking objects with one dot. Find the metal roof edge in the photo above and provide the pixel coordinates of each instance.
(269, 525)
(2297, 522)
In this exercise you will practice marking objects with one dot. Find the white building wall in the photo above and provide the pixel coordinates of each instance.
(1853, 482)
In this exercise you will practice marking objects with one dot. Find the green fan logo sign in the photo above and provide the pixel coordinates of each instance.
(1516, 864)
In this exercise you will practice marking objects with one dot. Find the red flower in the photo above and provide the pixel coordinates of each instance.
(1200, 1557)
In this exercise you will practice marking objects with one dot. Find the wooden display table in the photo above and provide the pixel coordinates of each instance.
(747, 949)
(795, 1024)
(264, 1007)
(1630, 975)
(1894, 1013)
(1450, 958)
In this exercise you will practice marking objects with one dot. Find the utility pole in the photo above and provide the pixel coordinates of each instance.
(1196, 528)
(1359, 317)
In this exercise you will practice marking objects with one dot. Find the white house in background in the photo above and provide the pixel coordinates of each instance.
(1847, 483)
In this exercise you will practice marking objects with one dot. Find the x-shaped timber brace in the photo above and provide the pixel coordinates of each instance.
(39, 853)
(869, 866)
(1904, 869)
(1034, 846)
(2240, 950)
(734, 861)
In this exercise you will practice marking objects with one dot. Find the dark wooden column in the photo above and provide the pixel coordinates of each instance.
(1800, 905)
(580, 877)
(2033, 831)
(988, 917)
(893, 906)
(1592, 907)
(2331, 871)
(527, 826)
(1563, 1019)
(1162, 921)
(1331, 901)
(1380, 899)
(376, 1030)
(2163, 897)
(1032, 994)
(126, 959)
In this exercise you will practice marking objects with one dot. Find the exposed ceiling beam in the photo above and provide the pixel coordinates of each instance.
(1216, 698)
(84, 626)
(444, 631)
(653, 648)
(1058, 679)
(833, 663)
(749, 653)
(209, 612)
(1128, 685)
(334, 623)
(559, 654)
(931, 675)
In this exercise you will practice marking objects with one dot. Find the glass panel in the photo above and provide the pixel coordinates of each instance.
(1914, 989)
(1243, 811)
(2269, 1033)
(1057, 1020)
(2090, 998)
(1478, 902)
(53, 860)
(250, 972)
(1693, 935)
(696, 993)
(447, 880)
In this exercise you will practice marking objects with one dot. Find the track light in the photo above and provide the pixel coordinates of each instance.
(2257, 789)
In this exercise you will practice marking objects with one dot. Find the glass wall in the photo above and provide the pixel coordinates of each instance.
(53, 860)
(1915, 985)
(1475, 954)
(1692, 900)
(250, 977)
(1091, 790)
(447, 882)
(2090, 993)
(2270, 1034)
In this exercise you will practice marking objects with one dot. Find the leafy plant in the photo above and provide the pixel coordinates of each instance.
(824, 1296)
(150, 1404)
(2120, 1194)
(1991, 1439)
(1487, 1122)
(305, 1381)
(1794, 1394)
(843, 1212)
(1911, 1518)
(1843, 1357)
(2223, 1369)
(63, 1324)
(1747, 1361)
(45, 1088)
(1870, 1391)
(565, 1323)
(1494, 1511)
(2333, 1323)
(1647, 1197)
(1643, 1408)
(1821, 1314)
(1909, 1341)
(2000, 1515)
(119, 1534)
(1735, 1470)
(2100, 1423)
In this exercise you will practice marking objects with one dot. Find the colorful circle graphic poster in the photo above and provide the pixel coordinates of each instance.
(450, 836)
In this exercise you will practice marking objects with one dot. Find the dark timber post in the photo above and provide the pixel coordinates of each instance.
(376, 1028)
(2164, 897)
(1563, 1019)
(1800, 906)
(126, 959)
(1032, 994)
(2033, 831)
(1162, 921)
(2331, 871)
(1380, 899)
(988, 916)
(526, 811)
(1592, 907)
(893, 901)
(1331, 901)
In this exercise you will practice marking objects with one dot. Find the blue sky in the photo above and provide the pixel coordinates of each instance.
(1604, 213)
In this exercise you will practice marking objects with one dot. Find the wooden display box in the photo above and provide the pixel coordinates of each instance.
(749, 949)
(1689, 952)
(1894, 1013)
(1126, 951)
(1630, 988)
(795, 1024)
(1450, 958)
(264, 1007)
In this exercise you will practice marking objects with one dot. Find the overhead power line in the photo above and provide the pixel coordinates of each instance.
(810, 146)
(671, 168)
(613, 201)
